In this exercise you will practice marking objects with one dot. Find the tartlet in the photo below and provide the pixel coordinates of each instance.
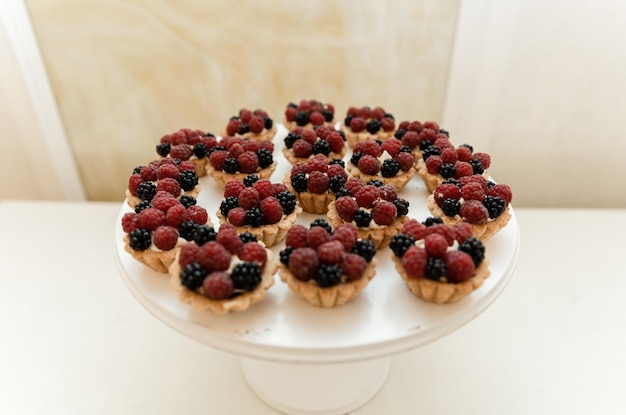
(363, 124)
(187, 144)
(309, 114)
(254, 125)
(301, 144)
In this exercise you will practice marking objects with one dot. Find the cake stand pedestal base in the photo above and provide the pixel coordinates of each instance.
(315, 389)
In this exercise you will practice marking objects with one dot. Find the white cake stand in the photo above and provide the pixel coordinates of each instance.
(300, 359)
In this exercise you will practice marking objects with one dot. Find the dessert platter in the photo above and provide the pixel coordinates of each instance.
(319, 356)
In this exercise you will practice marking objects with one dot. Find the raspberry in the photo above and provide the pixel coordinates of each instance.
(335, 141)
(353, 266)
(371, 148)
(316, 236)
(473, 191)
(251, 145)
(149, 173)
(316, 118)
(405, 160)
(346, 208)
(248, 162)
(384, 213)
(462, 231)
(317, 182)
(130, 221)
(308, 135)
(256, 124)
(165, 237)
(279, 188)
(337, 170)
(197, 214)
(133, 183)
(249, 198)
(357, 124)
(302, 148)
(218, 286)
(501, 190)
(229, 240)
(415, 229)
(264, 188)
(436, 245)
(253, 252)
(233, 187)
(411, 139)
(443, 230)
(214, 257)
(459, 266)
(391, 146)
(150, 219)
(330, 252)
(443, 143)
(189, 253)
(181, 152)
(462, 168)
(354, 185)
(346, 234)
(169, 185)
(296, 236)
(387, 124)
(475, 212)
(298, 168)
(217, 159)
(235, 150)
(164, 203)
(367, 195)
(178, 137)
(290, 114)
(176, 215)
(237, 216)
(474, 178)
(186, 165)
(463, 153)
(433, 164)
(317, 163)
(271, 209)
(484, 158)
(448, 155)
(414, 262)
(446, 191)
(388, 192)
(303, 263)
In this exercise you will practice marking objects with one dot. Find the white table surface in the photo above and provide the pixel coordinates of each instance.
(74, 340)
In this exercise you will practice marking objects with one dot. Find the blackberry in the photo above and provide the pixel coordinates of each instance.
(404, 149)
(342, 192)
(192, 276)
(268, 123)
(204, 234)
(342, 134)
(323, 223)
(379, 142)
(490, 184)
(227, 204)
(399, 133)
(246, 276)
(390, 168)
(362, 218)
(474, 248)
(430, 151)
(265, 158)
(187, 201)
(388, 115)
(287, 201)
(208, 134)
(336, 183)
(187, 230)
(477, 166)
(328, 115)
(302, 118)
(234, 117)
(290, 139)
(347, 121)
(321, 147)
(146, 191)
(215, 148)
(200, 150)
(425, 144)
(188, 179)
(137, 170)
(144, 204)
(402, 206)
(364, 248)
(495, 206)
(451, 207)
(250, 180)
(299, 182)
(376, 182)
(444, 132)
(356, 157)
(247, 237)
(244, 128)
(400, 243)
(163, 149)
(471, 149)
(435, 269)
(328, 275)
(139, 239)
(338, 161)
(254, 217)
(432, 220)
(292, 105)
(452, 181)
(373, 126)
(230, 165)
(447, 170)
(285, 254)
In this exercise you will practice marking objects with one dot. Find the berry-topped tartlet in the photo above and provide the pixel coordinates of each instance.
(417, 136)
(235, 158)
(388, 161)
(373, 207)
(363, 124)
(187, 144)
(222, 271)
(167, 174)
(309, 114)
(325, 267)
(255, 125)
(482, 203)
(156, 229)
(315, 182)
(442, 160)
(439, 264)
(302, 143)
(260, 207)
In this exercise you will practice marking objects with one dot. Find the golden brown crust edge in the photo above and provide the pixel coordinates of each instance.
(156, 260)
(311, 202)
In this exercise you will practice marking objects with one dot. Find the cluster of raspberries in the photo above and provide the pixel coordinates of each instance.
(318, 175)
(366, 157)
(204, 264)
(239, 155)
(304, 142)
(364, 202)
(425, 250)
(256, 202)
(454, 162)
(417, 135)
(185, 143)
(162, 220)
(249, 122)
(325, 256)
(475, 199)
(371, 120)
(311, 112)
(166, 174)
